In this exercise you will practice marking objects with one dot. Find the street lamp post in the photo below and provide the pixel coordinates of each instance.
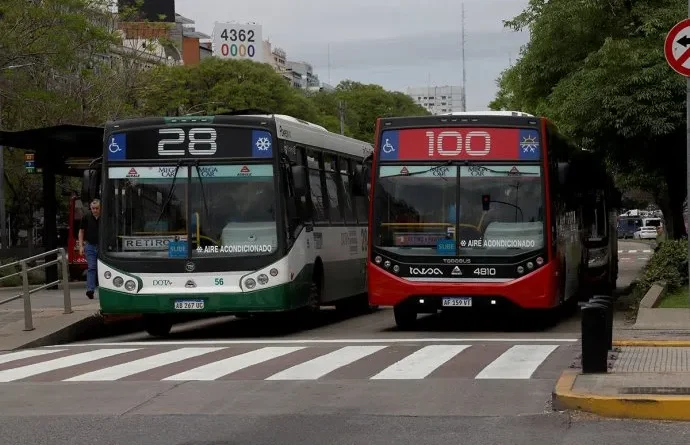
(4, 238)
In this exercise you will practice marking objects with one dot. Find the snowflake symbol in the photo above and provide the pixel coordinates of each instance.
(263, 144)
(529, 144)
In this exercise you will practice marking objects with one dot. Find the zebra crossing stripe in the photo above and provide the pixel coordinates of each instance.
(420, 363)
(518, 362)
(320, 366)
(22, 372)
(27, 353)
(141, 365)
(216, 370)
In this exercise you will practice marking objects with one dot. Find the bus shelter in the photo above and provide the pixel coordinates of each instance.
(64, 150)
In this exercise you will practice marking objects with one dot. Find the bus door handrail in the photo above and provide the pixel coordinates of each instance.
(26, 292)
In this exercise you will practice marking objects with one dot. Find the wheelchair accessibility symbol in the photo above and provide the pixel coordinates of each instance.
(388, 147)
(114, 147)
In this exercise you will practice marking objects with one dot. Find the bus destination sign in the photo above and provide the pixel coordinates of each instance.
(188, 142)
(460, 143)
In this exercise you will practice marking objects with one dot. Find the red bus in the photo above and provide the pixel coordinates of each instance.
(77, 263)
(600, 203)
(473, 210)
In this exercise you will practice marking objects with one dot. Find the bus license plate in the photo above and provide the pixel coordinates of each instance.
(193, 305)
(457, 302)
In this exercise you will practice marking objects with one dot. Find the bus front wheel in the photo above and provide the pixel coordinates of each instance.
(405, 316)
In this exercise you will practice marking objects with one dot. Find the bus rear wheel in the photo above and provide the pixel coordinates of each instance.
(157, 325)
(405, 316)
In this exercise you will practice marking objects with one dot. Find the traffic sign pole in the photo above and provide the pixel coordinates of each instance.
(677, 53)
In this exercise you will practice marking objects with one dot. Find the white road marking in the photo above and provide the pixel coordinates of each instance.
(518, 362)
(329, 341)
(27, 353)
(216, 370)
(421, 363)
(320, 366)
(143, 364)
(22, 372)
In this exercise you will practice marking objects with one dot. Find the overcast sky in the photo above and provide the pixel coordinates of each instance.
(393, 43)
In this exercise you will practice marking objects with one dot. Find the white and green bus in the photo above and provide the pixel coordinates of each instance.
(229, 214)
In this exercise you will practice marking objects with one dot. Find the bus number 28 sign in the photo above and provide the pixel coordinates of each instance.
(238, 41)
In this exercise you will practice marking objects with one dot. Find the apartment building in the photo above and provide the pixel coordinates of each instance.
(438, 99)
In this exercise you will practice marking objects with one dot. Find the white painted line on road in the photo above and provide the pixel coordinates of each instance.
(320, 366)
(141, 365)
(326, 341)
(518, 362)
(22, 372)
(216, 370)
(19, 355)
(632, 251)
(421, 363)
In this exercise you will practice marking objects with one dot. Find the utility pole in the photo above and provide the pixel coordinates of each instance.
(341, 110)
(464, 79)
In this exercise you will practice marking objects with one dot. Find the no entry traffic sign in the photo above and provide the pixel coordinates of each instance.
(677, 47)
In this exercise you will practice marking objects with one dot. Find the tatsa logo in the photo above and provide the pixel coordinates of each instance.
(425, 271)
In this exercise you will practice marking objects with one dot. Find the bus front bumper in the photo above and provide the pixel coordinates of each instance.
(537, 290)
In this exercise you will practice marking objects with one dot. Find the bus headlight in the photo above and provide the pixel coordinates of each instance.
(118, 281)
(387, 264)
(249, 283)
(273, 272)
(378, 259)
(130, 285)
(520, 269)
(530, 265)
(107, 275)
(540, 261)
(396, 268)
(263, 279)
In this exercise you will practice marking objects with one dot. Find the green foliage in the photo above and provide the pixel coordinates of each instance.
(216, 86)
(598, 70)
(669, 263)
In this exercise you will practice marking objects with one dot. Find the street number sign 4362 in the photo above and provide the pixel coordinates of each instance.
(238, 41)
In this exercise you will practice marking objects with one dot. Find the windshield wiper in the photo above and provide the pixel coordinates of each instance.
(170, 192)
(201, 184)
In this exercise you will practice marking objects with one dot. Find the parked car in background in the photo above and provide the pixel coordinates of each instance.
(646, 232)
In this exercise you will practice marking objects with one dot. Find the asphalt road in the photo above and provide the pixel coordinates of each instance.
(349, 379)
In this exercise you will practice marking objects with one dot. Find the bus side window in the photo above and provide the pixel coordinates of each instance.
(315, 186)
(345, 168)
(331, 176)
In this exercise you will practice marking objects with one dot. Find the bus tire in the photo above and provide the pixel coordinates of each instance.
(405, 316)
(316, 288)
(157, 325)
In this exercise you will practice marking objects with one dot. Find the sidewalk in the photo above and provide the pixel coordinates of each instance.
(648, 375)
(51, 325)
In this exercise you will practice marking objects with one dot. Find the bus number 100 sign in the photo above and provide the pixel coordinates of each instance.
(239, 42)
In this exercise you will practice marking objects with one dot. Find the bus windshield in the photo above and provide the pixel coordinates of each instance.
(232, 211)
(477, 209)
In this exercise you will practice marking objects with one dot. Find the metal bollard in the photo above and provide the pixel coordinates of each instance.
(594, 350)
(65, 282)
(608, 302)
(28, 315)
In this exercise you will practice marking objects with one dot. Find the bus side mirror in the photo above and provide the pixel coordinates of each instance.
(299, 180)
(89, 185)
(563, 170)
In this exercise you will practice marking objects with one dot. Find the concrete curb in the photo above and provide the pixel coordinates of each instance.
(653, 343)
(651, 407)
(653, 296)
(90, 326)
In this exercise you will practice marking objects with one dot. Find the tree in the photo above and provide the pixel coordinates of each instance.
(72, 66)
(363, 103)
(598, 70)
(216, 86)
